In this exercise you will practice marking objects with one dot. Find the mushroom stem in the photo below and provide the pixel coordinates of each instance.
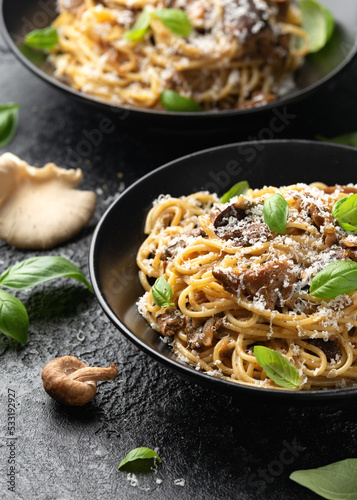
(71, 382)
(92, 373)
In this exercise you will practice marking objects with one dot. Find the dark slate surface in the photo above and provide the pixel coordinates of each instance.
(212, 446)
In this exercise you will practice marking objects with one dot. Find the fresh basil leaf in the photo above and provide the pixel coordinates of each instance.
(345, 211)
(139, 454)
(347, 227)
(336, 207)
(37, 58)
(173, 101)
(318, 21)
(42, 39)
(334, 279)
(14, 320)
(276, 211)
(162, 293)
(140, 27)
(346, 139)
(277, 367)
(35, 270)
(9, 114)
(239, 188)
(176, 20)
(336, 481)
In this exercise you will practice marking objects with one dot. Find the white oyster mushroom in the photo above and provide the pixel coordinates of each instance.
(39, 207)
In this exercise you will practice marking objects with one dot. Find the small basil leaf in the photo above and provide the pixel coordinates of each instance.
(42, 39)
(276, 211)
(140, 27)
(334, 279)
(35, 270)
(347, 227)
(345, 211)
(14, 320)
(162, 293)
(336, 207)
(336, 481)
(173, 101)
(239, 188)
(318, 21)
(139, 455)
(277, 367)
(176, 20)
(8, 122)
(36, 57)
(346, 139)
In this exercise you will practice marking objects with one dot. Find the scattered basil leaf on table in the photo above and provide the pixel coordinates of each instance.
(140, 27)
(176, 20)
(345, 212)
(239, 188)
(336, 481)
(345, 139)
(318, 21)
(277, 367)
(14, 320)
(334, 279)
(276, 211)
(162, 293)
(8, 122)
(35, 270)
(42, 39)
(133, 460)
(173, 101)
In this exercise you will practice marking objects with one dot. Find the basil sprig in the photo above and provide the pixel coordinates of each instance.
(42, 39)
(175, 20)
(8, 122)
(139, 455)
(140, 26)
(276, 211)
(36, 57)
(334, 279)
(14, 319)
(318, 21)
(162, 293)
(172, 101)
(35, 270)
(345, 212)
(336, 481)
(277, 367)
(236, 190)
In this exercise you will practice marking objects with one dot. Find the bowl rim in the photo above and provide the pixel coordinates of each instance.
(188, 371)
(294, 96)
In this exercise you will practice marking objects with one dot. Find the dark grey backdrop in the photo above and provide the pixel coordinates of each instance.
(212, 447)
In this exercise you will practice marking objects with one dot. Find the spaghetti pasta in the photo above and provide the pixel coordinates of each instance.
(236, 284)
(240, 53)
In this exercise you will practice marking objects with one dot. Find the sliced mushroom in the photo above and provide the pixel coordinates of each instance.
(71, 382)
(39, 207)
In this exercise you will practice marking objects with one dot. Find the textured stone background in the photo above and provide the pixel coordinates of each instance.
(214, 445)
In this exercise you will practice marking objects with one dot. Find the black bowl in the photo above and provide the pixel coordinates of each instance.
(18, 17)
(119, 234)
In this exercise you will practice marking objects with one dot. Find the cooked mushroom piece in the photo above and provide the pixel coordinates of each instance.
(72, 382)
(39, 207)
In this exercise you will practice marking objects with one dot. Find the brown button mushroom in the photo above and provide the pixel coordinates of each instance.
(71, 382)
(39, 207)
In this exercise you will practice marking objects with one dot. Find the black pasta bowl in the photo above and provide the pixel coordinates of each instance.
(120, 232)
(18, 17)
